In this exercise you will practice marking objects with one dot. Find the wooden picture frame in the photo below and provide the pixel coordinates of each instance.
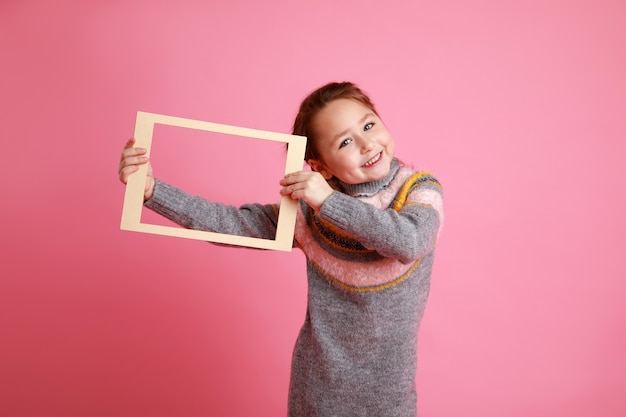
(133, 197)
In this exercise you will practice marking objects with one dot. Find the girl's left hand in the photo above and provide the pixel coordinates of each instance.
(307, 185)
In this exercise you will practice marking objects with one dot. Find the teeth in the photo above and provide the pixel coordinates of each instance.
(373, 160)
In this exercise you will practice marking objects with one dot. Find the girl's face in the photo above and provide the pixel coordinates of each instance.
(352, 143)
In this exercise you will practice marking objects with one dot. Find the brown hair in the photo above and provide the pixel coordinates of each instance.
(316, 101)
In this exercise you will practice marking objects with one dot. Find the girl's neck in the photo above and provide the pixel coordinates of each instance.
(367, 188)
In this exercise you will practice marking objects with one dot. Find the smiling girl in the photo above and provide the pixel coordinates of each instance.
(368, 227)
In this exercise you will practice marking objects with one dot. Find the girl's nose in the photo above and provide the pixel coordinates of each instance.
(366, 145)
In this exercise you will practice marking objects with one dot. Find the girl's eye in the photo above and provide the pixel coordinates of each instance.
(344, 143)
(368, 126)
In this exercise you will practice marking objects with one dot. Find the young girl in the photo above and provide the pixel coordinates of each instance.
(368, 226)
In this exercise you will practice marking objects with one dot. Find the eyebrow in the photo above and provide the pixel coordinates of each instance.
(363, 119)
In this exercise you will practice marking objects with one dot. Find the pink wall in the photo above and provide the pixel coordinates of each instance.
(518, 106)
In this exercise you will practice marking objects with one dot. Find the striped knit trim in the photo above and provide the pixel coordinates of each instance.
(373, 288)
(412, 183)
(335, 237)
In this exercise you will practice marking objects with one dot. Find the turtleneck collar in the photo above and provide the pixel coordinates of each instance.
(367, 189)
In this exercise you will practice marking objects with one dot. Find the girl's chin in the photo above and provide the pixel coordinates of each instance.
(379, 173)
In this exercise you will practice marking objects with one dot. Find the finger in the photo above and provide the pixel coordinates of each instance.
(299, 194)
(287, 190)
(290, 193)
(132, 161)
(133, 156)
(133, 152)
(295, 177)
(126, 172)
(295, 191)
(130, 143)
(130, 150)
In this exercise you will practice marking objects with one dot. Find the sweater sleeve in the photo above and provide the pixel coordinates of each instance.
(406, 234)
(195, 212)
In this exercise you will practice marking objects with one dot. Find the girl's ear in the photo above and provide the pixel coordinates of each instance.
(318, 166)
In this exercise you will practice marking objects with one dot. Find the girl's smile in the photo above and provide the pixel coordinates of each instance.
(374, 160)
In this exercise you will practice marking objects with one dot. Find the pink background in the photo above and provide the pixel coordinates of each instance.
(519, 107)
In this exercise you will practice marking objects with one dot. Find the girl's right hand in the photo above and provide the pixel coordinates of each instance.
(130, 161)
(310, 186)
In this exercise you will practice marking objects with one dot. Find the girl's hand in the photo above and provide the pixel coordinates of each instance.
(307, 185)
(129, 163)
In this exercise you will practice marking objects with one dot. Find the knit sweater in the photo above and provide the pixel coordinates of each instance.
(369, 254)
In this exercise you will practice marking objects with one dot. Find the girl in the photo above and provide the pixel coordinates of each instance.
(368, 226)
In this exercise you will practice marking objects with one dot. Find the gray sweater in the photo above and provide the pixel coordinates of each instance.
(369, 257)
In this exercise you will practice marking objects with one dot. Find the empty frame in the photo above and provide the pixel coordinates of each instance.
(133, 198)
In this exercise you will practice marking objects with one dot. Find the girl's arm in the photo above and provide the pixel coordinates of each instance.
(195, 212)
(406, 235)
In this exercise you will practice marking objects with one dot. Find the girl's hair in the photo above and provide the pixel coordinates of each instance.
(316, 101)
